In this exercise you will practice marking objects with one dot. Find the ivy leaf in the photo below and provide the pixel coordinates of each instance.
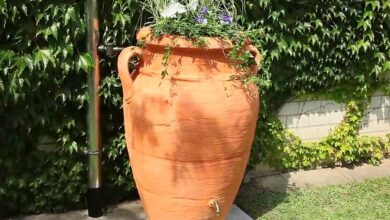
(6, 55)
(54, 30)
(386, 66)
(364, 24)
(68, 49)
(20, 64)
(29, 62)
(43, 56)
(374, 4)
(386, 4)
(69, 15)
(39, 17)
(50, 31)
(318, 23)
(24, 9)
(367, 14)
(122, 19)
(1, 85)
(85, 62)
(73, 147)
(3, 4)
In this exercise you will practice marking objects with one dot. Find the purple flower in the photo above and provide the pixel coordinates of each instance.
(201, 20)
(226, 19)
(204, 10)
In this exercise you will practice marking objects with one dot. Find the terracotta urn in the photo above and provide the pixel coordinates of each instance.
(188, 134)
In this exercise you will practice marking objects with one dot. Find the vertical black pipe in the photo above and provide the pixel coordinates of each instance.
(94, 194)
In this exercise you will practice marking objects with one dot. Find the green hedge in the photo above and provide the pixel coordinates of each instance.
(308, 45)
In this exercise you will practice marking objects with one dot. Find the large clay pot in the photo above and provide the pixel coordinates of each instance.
(188, 134)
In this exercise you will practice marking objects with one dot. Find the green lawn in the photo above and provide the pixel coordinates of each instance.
(366, 200)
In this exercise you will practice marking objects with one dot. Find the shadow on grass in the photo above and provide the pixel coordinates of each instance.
(259, 197)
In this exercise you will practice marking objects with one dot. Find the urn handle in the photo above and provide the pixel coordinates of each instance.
(256, 53)
(124, 73)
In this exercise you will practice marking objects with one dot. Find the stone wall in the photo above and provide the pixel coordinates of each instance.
(312, 120)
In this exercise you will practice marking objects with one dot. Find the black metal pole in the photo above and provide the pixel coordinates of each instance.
(94, 193)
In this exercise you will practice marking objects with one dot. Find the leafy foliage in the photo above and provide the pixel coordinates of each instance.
(307, 46)
(334, 48)
(343, 146)
(43, 104)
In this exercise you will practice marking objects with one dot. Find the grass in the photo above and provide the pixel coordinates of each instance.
(365, 200)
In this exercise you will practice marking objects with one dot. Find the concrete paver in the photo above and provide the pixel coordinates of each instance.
(237, 214)
(366, 172)
(275, 183)
(124, 211)
(321, 177)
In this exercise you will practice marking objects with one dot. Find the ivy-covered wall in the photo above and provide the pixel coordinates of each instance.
(43, 99)
(337, 48)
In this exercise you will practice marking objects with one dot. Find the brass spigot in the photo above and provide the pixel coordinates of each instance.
(214, 203)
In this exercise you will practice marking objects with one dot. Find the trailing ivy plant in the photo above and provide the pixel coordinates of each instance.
(342, 147)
